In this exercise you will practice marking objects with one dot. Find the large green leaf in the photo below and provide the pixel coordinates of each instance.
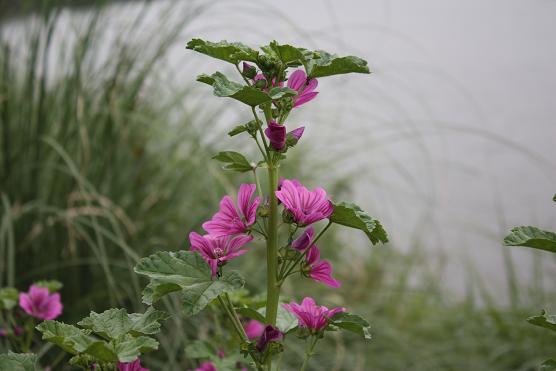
(222, 87)
(353, 323)
(532, 237)
(18, 362)
(70, 338)
(232, 52)
(184, 271)
(351, 215)
(128, 347)
(114, 323)
(8, 298)
(234, 161)
(321, 64)
(544, 320)
(286, 53)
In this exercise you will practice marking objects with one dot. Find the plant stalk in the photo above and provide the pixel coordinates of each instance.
(309, 353)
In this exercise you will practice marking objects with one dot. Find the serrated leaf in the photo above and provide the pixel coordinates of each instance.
(128, 347)
(286, 53)
(18, 362)
(222, 87)
(285, 321)
(353, 323)
(321, 64)
(281, 92)
(234, 161)
(532, 237)
(114, 323)
(351, 215)
(70, 338)
(51, 285)
(548, 365)
(251, 314)
(199, 349)
(8, 298)
(184, 271)
(544, 320)
(232, 52)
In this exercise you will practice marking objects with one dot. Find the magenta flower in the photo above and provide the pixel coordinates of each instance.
(320, 270)
(230, 219)
(131, 366)
(304, 240)
(217, 250)
(3, 333)
(206, 366)
(305, 206)
(295, 182)
(305, 87)
(270, 333)
(276, 133)
(39, 303)
(310, 315)
(253, 329)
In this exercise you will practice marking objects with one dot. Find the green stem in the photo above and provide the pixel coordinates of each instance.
(30, 327)
(259, 188)
(309, 353)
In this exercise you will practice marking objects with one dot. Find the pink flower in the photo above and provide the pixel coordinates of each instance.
(306, 206)
(320, 270)
(217, 250)
(270, 333)
(304, 240)
(298, 81)
(131, 366)
(296, 133)
(310, 315)
(253, 329)
(206, 366)
(276, 133)
(39, 303)
(230, 219)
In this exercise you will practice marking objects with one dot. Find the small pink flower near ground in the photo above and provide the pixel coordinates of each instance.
(310, 315)
(230, 220)
(131, 366)
(39, 303)
(206, 366)
(217, 250)
(320, 270)
(305, 87)
(253, 329)
(306, 206)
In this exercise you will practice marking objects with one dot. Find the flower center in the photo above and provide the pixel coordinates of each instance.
(218, 252)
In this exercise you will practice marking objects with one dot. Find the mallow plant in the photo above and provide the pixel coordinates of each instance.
(274, 83)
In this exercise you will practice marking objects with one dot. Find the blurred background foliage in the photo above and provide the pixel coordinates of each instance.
(103, 163)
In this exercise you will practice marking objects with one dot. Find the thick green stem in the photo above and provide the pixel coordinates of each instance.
(272, 288)
(309, 353)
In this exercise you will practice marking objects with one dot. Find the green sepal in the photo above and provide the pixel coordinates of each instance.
(234, 161)
(237, 130)
(351, 215)
(18, 361)
(232, 52)
(531, 237)
(353, 323)
(222, 87)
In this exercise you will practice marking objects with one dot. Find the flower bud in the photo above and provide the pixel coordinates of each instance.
(276, 133)
(248, 70)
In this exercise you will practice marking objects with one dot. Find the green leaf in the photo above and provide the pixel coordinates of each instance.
(281, 92)
(199, 349)
(353, 323)
(532, 237)
(544, 320)
(70, 338)
(51, 285)
(114, 323)
(230, 52)
(18, 362)
(8, 298)
(351, 215)
(237, 130)
(222, 87)
(234, 161)
(321, 64)
(251, 314)
(286, 53)
(128, 347)
(184, 271)
(548, 365)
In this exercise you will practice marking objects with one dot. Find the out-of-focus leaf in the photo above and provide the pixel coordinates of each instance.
(8, 298)
(184, 271)
(351, 215)
(232, 52)
(548, 365)
(51, 285)
(199, 349)
(222, 87)
(251, 314)
(353, 323)
(285, 321)
(532, 237)
(234, 161)
(321, 64)
(18, 362)
(544, 320)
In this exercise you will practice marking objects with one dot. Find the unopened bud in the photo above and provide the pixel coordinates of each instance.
(248, 70)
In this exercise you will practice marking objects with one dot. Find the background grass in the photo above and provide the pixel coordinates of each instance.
(101, 164)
